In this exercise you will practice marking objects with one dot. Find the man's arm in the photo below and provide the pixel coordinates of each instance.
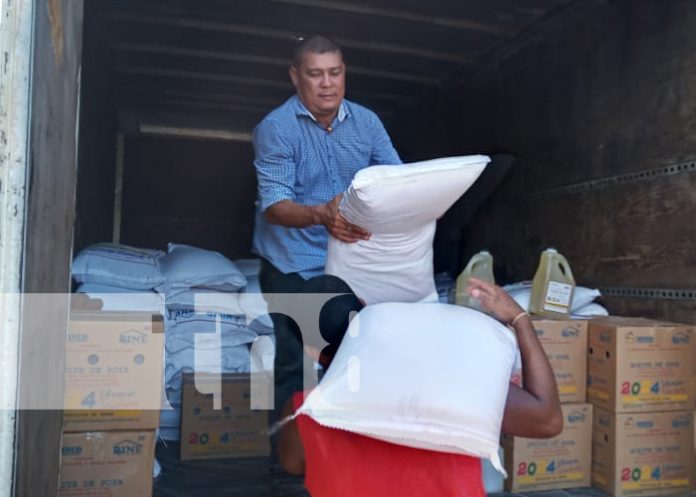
(533, 411)
(293, 215)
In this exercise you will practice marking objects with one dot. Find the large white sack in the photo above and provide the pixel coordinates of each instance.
(187, 329)
(226, 360)
(123, 299)
(186, 267)
(202, 300)
(248, 267)
(118, 265)
(399, 206)
(590, 310)
(433, 376)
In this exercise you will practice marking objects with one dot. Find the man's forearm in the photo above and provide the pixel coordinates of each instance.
(533, 411)
(293, 215)
(537, 374)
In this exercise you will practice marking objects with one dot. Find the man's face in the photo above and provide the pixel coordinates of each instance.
(320, 82)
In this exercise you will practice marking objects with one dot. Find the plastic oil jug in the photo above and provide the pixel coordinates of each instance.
(479, 266)
(553, 286)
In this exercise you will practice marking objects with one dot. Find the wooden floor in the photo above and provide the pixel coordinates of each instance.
(256, 477)
(245, 477)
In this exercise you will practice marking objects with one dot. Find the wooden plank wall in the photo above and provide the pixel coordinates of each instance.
(49, 233)
(97, 143)
(602, 90)
(197, 192)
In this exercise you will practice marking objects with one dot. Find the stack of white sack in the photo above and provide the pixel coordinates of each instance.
(200, 342)
(399, 206)
(581, 307)
(420, 375)
(206, 326)
(123, 278)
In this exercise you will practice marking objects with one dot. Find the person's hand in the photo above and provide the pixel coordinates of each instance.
(494, 299)
(338, 227)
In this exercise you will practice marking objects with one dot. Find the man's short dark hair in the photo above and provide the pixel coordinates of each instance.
(312, 44)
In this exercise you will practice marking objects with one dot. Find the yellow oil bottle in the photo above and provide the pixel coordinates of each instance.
(553, 286)
(479, 266)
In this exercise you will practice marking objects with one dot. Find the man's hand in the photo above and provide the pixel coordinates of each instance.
(336, 224)
(494, 300)
(293, 215)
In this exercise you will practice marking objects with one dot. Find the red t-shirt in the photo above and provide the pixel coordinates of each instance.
(343, 464)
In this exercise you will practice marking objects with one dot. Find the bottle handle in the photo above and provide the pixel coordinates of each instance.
(563, 263)
(478, 263)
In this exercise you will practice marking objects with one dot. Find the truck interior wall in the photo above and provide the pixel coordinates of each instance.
(606, 90)
(49, 236)
(97, 142)
(197, 192)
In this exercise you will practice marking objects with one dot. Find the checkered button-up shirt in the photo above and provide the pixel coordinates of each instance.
(298, 160)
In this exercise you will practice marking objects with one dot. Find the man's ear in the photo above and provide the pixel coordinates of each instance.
(293, 75)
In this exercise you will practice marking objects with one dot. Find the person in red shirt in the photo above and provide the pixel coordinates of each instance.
(337, 463)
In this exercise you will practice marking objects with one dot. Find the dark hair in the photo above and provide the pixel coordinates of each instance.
(312, 44)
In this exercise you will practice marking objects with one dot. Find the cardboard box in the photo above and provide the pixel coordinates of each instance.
(547, 464)
(107, 464)
(640, 365)
(113, 375)
(643, 453)
(231, 430)
(565, 344)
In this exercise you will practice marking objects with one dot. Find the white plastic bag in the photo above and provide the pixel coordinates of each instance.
(522, 293)
(433, 376)
(399, 206)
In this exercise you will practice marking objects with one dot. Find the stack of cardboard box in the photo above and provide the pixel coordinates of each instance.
(113, 389)
(565, 460)
(641, 376)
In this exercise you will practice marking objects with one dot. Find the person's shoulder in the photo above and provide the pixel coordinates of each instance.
(277, 122)
(280, 115)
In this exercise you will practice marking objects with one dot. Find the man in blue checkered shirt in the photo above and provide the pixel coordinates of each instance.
(306, 154)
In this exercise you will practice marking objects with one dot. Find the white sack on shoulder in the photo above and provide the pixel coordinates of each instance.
(399, 205)
(432, 376)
